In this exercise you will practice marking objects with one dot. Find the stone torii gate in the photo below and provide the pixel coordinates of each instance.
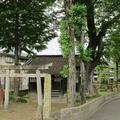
(10, 73)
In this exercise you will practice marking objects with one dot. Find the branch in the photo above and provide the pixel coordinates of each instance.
(106, 25)
(59, 12)
(104, 28)
(94, 2)
(91, 25)
(28, 51)
(88, 2)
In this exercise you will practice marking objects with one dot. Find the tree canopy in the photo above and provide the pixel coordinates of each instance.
(24, 24)
(113, 45)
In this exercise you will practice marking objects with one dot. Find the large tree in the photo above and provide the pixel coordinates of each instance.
(67, 41)
(99, 17)
(24, 25)
(71, 54)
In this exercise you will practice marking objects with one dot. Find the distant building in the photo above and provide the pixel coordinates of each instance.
(59, 84)
(9, 59)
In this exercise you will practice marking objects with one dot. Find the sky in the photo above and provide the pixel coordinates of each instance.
(53, 48)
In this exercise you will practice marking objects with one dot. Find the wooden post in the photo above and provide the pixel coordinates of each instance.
(7, 86)
(47, 98)
(39, 97)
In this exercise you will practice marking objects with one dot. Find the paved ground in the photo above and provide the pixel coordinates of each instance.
(110, 111)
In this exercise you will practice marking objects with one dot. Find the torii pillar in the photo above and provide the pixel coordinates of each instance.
(7, 87)
(47, 98)
(39, 97)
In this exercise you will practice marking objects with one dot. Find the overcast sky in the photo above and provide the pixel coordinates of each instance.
(53, 48)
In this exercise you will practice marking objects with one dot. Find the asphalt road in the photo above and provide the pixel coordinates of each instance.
(110, 111)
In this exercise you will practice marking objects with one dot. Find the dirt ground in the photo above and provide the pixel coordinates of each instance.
(27, 111)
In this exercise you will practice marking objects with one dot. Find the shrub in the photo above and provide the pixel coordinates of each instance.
(12, 96)
(22, 99)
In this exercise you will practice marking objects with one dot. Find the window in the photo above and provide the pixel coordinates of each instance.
(9, 60)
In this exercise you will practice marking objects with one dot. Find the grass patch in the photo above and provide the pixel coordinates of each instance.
(14, 98)
(103, 93)
(89, 98)
(100, 93)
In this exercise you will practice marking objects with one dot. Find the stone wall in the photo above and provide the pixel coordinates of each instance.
(85, 111)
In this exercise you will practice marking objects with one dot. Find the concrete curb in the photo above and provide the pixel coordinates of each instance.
(85, 111)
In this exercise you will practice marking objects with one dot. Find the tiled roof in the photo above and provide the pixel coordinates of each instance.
(13, 56)
(57, 60)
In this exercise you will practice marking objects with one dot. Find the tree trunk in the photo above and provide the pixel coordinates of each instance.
(71, 57)
(88, 83)
(17, 52)
(117, 72)
(82, 72)
(86, 87)
(72, 74)
(82, 77)
(16, 79)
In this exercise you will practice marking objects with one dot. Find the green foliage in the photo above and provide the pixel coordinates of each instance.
(64, 72)
(83, 53)
(64, 39)
(103, 73)
(25, 24)
(113, 45)
(97, 17)
(78, 13)
(22, 99)
(12, 96)
(92, 97)
(105, 10)
(99, 69)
